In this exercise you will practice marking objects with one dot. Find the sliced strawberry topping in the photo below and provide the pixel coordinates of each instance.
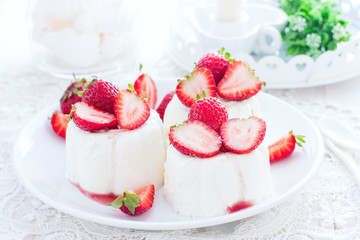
(145, 87)
(101, 94)
(89, 118)
(243, 135)
(210, 111)
(195, 138)
(162, 107)
(239, 82)
(239, 206)
(216, 62)
(201, 80)
(135, 203)
(284, 146)
(131, 111)
(59, 122)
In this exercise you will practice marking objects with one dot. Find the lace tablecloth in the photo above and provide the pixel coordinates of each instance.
(327, 208)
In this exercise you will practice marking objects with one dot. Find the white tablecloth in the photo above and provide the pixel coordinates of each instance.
(327, 208)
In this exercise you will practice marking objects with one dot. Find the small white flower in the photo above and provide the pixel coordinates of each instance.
(314, 52)
(297, 23)
(313, 40)
(338, 31)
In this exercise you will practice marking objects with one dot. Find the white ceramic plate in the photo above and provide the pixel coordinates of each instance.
(39, 160)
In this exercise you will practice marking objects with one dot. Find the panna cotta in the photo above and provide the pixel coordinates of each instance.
(204, 187)
(116, 160)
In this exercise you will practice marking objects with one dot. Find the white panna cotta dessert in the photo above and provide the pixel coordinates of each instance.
(217, 162)
(117, 160)
(205, 187)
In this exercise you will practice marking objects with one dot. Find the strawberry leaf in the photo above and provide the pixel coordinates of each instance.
(131, 201)
(131, 87)
(298, 138)
(221, 51)
(118, 202)
(203, 94)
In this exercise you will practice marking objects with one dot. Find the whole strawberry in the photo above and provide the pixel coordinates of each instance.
(70, 95)
(216, 62)
(210, 111)
(101, 94)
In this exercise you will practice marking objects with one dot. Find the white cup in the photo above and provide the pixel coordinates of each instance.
(253, 32)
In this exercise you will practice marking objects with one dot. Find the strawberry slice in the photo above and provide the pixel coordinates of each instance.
(145, 87)
(131, 111)
(135, 203)
(162, 107)
(89, 118)
(239, 82)
(239, 206)
(243, 135)
(59, 122)
(195, 138)
(284, 146)
(201, 80)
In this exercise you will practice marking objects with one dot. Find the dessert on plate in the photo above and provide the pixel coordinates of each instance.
(217, 162)
(114, 141)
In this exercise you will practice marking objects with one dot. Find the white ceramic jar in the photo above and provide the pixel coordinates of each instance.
(82, 36)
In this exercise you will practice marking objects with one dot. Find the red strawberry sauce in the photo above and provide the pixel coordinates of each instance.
(100, 198)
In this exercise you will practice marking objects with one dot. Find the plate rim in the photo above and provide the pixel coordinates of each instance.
(176, 225)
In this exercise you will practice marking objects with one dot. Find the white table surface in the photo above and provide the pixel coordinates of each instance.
(328, 207)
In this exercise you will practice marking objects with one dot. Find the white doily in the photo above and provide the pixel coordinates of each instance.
(328, 207)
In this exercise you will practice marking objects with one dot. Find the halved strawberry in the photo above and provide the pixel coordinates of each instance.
(131, 111)
(195, 138)
(201, 80)
(135, 203)
(59, 122)
(284, 146)
(239, 82)
(239, 206)
(243, 135)
(162, 107)
(89, 118)
(145, 87)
